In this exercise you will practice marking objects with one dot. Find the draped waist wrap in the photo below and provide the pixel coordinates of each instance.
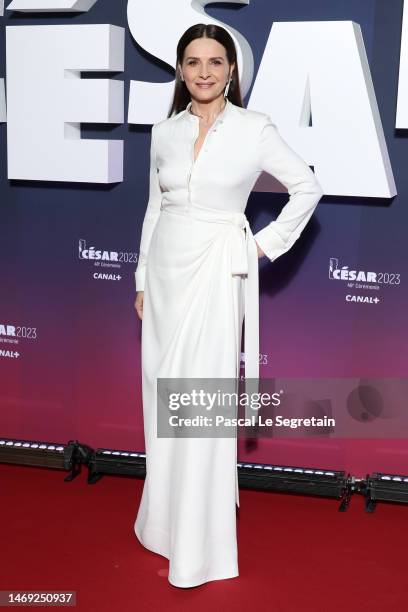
(244, 261)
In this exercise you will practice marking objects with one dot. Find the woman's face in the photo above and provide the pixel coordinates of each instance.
(205, 69)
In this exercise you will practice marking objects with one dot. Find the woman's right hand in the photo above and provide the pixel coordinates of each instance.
(139, 304)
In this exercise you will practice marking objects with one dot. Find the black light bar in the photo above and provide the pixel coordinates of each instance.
(288, 478)
(108, 461)
(385, 487)
(29, 452)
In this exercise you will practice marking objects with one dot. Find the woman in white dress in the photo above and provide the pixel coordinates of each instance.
(196, 282)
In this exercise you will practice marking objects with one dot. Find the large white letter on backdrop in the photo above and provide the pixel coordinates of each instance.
(315, 82)
(47, 100)
(54, 6)
(156, 26)
(402, 103)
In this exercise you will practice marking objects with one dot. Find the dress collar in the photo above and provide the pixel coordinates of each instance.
(220, 117)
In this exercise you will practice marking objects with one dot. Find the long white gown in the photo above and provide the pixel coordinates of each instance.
(198, 269)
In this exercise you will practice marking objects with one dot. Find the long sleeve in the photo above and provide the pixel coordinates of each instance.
(278, 159)
(151, 216)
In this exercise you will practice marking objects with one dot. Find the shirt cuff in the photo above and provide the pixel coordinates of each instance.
(270, 242)
(140, 274)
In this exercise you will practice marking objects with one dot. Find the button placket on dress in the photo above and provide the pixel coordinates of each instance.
(204, 147)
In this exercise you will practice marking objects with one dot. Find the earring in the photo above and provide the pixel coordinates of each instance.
(227, 88)
(181, 76)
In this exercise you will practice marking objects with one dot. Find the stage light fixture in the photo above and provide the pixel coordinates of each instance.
(46, 454)
(385, 487)
(295, 479)
(108, 461)
(28, 452)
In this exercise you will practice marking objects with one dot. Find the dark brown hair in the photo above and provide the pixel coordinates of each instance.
(181, 96)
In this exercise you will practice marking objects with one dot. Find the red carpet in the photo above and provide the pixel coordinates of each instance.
(295, 553)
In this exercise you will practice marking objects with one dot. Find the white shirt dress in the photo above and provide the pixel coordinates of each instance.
(198, 268)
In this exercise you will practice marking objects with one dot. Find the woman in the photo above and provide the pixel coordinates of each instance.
(196, 280)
